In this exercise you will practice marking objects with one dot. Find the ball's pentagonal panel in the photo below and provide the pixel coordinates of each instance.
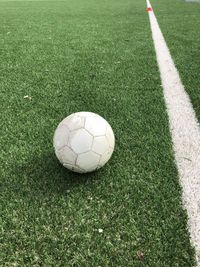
(61, 137)
(95, 125)
(68, 155)
(80, 141)
(110, 136)
(88, 161)
(74, 122)
(105, 157)
(100, 144)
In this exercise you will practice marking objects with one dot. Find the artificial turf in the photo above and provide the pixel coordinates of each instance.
(179, 21)
(94, 56)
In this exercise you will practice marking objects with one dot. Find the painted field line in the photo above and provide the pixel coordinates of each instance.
(185, 131)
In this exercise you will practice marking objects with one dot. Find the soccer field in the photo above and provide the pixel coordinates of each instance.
(60, 57)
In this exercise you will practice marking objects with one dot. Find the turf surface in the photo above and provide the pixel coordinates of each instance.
(180, 22)
(98, 56)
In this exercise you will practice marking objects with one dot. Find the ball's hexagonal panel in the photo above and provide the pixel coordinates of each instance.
(73, 168)
(80, 141)
(61, 137)
(68, 156)
(105, 157)
(68, 166)
(74, 122)
(79, 170)
(65, 120)
(59, 155)
(88, 161)
(96, 125)
(110, 136)
(100, 144)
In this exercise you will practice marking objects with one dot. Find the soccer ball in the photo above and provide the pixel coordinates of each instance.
(83, 142)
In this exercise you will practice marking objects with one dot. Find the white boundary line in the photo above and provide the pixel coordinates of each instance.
(184, 129)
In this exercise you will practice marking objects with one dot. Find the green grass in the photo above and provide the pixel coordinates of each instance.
(180, 22)
(97, 56)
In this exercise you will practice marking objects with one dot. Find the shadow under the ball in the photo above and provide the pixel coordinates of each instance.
(46, 175)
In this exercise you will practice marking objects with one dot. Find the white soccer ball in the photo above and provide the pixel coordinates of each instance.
(84, 142)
